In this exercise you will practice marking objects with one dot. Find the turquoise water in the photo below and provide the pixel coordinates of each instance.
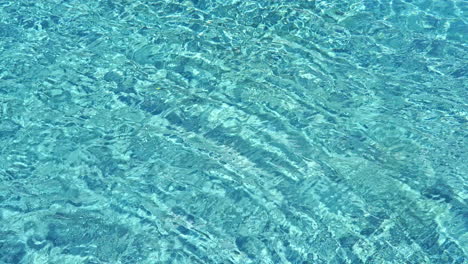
(209, 131)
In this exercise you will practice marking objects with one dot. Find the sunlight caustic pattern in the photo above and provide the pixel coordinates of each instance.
(209, 131)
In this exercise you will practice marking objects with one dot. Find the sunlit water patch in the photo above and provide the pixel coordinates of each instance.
(233, 131)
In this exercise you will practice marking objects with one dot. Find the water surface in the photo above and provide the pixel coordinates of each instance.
(233, 131)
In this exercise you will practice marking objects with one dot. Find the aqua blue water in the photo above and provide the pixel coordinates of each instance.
(209, 131)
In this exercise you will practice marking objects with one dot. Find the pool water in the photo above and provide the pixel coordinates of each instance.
(209, 131)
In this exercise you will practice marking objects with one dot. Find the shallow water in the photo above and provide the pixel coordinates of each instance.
(233, 131)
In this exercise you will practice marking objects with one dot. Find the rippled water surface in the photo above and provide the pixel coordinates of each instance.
(226, 131)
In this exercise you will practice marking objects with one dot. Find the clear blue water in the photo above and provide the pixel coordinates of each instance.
(209, 131)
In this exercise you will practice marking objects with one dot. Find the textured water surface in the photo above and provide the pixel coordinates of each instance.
(209, 131)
